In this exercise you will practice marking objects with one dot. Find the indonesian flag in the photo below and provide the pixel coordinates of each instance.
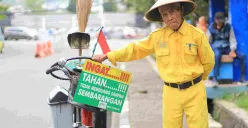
(103, 43)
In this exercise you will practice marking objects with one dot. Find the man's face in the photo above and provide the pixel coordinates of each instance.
(202, 21)
(218, 22)
(172, 15)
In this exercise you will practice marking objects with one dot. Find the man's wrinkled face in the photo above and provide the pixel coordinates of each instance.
(172, 15)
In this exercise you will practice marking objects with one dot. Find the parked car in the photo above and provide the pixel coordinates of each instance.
(1, 41)
(20, 33)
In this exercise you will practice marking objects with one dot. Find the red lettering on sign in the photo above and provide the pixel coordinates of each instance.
(128, 75)
(121, 77)
(107, 70)
(97, 68)
(90, 66)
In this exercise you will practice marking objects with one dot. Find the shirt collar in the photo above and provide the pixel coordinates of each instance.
(182, 28)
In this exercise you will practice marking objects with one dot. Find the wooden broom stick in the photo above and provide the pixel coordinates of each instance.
(83, 11)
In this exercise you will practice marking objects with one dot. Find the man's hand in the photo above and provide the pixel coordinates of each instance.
(100, 58)
(232, 54)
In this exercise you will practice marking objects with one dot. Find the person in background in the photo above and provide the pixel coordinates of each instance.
(223, 41)
(203, 25)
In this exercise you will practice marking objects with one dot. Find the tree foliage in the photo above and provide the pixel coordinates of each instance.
(34, 4)
(3, 8)
(110, 6)
(139, 6)
(201, 10)
(72, 6)
(144, 5)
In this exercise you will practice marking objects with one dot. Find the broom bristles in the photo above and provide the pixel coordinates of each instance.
(83, 11)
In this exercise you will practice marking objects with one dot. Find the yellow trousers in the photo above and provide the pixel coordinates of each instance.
(191, 101)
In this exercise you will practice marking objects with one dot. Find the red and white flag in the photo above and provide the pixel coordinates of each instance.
(103, 42)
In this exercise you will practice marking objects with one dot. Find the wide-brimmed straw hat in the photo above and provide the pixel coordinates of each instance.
(154, 15)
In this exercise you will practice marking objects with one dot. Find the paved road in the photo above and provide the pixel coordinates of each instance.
(25, 86)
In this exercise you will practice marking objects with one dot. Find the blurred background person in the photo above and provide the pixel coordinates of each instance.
(223, 41)
(203, 25)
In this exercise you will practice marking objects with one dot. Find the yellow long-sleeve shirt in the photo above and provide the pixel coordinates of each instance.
(181, 55)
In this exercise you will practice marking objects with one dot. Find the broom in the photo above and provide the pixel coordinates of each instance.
(83, 11)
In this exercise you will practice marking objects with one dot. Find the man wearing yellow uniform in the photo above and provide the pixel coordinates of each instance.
(184, 59)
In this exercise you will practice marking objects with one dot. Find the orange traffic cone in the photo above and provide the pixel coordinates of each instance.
(39, 53)
(50, 49)
(45, 48)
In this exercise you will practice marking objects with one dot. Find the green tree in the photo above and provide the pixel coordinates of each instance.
(201, 10)
(72, 6)
(139, 6)
(34, 4)
(110, 6)
(3, 8)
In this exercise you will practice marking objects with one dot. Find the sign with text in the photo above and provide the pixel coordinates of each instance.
(102, 86)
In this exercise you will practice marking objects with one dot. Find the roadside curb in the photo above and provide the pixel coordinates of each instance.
(230, 115)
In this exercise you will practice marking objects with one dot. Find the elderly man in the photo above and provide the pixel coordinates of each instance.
(184, 59)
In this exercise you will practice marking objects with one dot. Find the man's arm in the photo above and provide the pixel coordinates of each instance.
(233, 41)
(209, 36)
(206, 55)
(133, 51)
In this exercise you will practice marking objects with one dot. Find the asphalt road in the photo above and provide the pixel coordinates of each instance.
(25, 86)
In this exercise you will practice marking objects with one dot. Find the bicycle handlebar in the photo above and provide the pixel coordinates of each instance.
(52, 69)
(60, 65)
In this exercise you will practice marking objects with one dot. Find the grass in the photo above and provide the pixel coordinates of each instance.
(240, 99)
(153, 56)
(2, 17)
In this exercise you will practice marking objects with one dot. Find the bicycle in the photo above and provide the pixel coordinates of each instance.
(67, 113)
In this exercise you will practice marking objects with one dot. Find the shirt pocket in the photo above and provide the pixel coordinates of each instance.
(190, 53)
(163, 56)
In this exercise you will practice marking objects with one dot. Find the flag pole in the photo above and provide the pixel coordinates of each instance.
(94, 49)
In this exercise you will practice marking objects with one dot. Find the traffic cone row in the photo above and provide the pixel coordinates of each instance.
(44, 49)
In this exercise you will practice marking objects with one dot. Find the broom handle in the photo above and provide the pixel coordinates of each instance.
(80, 51)
(83, 11)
